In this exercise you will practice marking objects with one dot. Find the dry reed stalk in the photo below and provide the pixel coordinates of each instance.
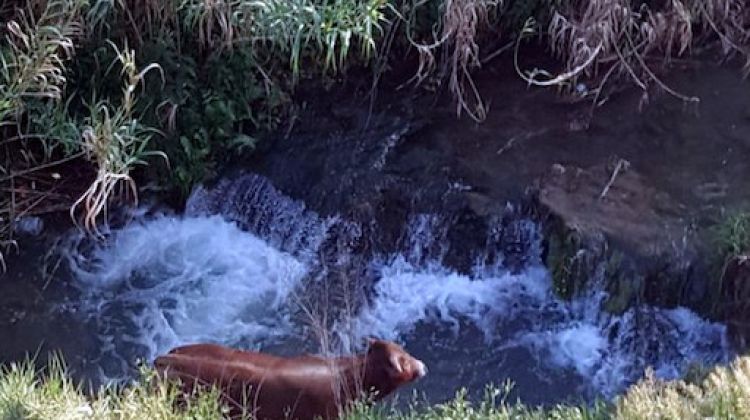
(457, 44)
(616, 37)
(39, 40)
(115, 142)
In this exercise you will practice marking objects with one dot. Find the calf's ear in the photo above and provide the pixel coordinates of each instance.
(394, 366)
(370, 341)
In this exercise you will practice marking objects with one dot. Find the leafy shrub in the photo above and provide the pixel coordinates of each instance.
(210, 110)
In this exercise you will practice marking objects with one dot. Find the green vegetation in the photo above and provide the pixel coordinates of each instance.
(99, 96)
(566, 260)
(92, 90)
(50, 394)
(575, 261)
(730, 295)
(723, 393)
(730, 242)
(732, 236)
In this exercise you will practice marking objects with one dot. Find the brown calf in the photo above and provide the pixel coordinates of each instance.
(306, 387)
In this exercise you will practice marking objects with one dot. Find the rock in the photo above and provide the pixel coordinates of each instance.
(466, 235)
(631, 212)
(568, 266)
(607, 218)
(734, 303)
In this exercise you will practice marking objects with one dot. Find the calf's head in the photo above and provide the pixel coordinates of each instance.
(389, 366)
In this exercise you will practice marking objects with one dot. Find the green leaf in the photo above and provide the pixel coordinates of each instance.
(243, 142)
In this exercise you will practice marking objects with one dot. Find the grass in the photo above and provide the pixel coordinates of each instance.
(722, 393)
(50, 394)
(624, 34)
(38, 43)
(731, 246)
(310, 31)
(35, 50)
(731, 294)
(116, 142)
(732, 235)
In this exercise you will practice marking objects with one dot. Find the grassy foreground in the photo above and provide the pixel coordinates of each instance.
(723, 393)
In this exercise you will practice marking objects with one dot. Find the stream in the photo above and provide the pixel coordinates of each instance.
(263, 272)
(403, 223)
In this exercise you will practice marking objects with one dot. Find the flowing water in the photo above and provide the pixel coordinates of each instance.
(249, 267)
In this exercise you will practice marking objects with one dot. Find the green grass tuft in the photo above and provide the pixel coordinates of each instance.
(50, 394)
(732, 236)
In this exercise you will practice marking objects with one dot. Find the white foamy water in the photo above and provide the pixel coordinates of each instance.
(166, 281)
(406, 295)
(171, 281)
(521, 311)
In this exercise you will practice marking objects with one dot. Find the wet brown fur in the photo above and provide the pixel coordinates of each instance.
(304, 387)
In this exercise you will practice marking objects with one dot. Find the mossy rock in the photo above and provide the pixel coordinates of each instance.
(624, 286)
(560, 261)
(568, 259)
(576, 260)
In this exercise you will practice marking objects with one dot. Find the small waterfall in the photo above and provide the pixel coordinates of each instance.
(256, 206)
(247, 266)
